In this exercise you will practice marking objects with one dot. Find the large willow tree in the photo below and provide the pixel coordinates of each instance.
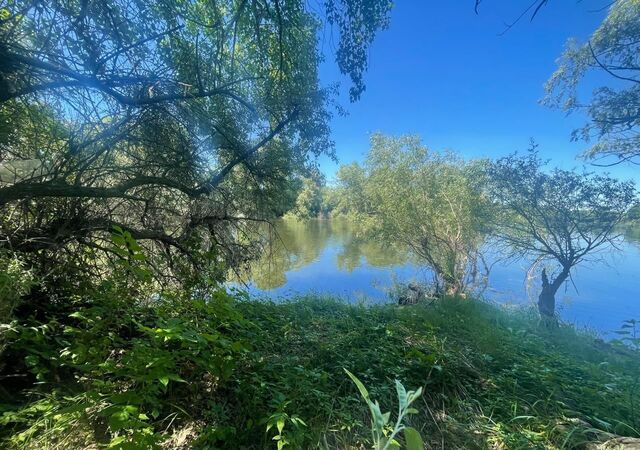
(429, 202)
(178, 122)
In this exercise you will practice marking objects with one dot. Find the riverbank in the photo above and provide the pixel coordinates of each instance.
(331, 258)
(217, 375)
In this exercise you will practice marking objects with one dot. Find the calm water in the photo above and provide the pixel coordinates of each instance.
(322, 256)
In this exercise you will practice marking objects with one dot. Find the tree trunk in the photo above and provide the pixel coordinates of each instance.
(451, 286)
(547, 297)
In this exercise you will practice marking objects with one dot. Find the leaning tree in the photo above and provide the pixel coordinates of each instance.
(557, 216)
(178, 122)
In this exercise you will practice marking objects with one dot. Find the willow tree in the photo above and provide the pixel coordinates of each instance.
(556, 216)
(430, 202)
(613, 109)
(177, 121)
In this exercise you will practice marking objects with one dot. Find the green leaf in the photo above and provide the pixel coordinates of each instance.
(280, 424)
(412, 439)
(414, 395)
(358, 383)
(77, 315)
(402, 394)
(379, 419)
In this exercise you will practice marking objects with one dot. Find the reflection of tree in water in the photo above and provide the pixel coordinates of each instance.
(291, 245)
(355, 252)
(632, 234)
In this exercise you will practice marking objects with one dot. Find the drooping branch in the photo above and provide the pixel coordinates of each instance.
(245, 155)
(608, 69)
(106, 86)
(59, 188)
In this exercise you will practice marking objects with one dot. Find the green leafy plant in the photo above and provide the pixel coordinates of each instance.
(129, 368)
(132, 258)
(382, 433)
(286, 435)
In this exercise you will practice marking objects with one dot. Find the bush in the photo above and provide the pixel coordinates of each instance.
(117, 371)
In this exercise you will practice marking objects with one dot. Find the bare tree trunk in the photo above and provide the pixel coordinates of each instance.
(547, 298)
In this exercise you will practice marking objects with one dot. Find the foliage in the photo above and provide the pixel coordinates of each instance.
(179, 121)
(430, 202)
(629, 333)
(119, 369)
(15, 282)
(329, 200)
(382, 435)
(351, 198)
(279, 420)
(222, 371)
(560, 216)
(309, 202)
(612, 50)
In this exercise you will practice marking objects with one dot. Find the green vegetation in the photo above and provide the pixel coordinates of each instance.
(184, 123)
(444, 209)
(234, 373)
(145, 148)
(429, 202)
(612, 111)
(558, 216)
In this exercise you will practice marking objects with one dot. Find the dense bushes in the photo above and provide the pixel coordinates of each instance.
(116, 370)
(232, 373)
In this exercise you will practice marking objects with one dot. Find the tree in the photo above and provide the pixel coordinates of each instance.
(329, 201)
(309, 201)
(613, 110)
(350, 194)
(558, 216)
(181, 122)
(430, 202)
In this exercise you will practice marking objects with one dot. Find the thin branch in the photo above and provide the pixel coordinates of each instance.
(606, 69)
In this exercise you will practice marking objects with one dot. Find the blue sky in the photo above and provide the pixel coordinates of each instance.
(445, 73)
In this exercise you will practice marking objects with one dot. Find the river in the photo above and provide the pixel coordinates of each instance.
(323, 257)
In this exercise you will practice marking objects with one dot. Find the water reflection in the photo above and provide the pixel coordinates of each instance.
(324, 256)
(293, 245)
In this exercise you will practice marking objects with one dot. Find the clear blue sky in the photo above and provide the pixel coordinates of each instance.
(444, 73)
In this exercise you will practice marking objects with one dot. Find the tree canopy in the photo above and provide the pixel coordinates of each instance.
(559, 216)
(430, 202)
(179, 122)
(613, 109)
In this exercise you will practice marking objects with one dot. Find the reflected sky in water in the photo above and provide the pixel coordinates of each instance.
(324, 256)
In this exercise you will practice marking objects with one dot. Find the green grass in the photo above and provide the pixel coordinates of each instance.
(491, 377)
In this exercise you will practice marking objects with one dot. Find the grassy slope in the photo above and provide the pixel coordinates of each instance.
(493, 379)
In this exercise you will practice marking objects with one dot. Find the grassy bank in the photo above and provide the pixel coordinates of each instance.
(492, 378)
